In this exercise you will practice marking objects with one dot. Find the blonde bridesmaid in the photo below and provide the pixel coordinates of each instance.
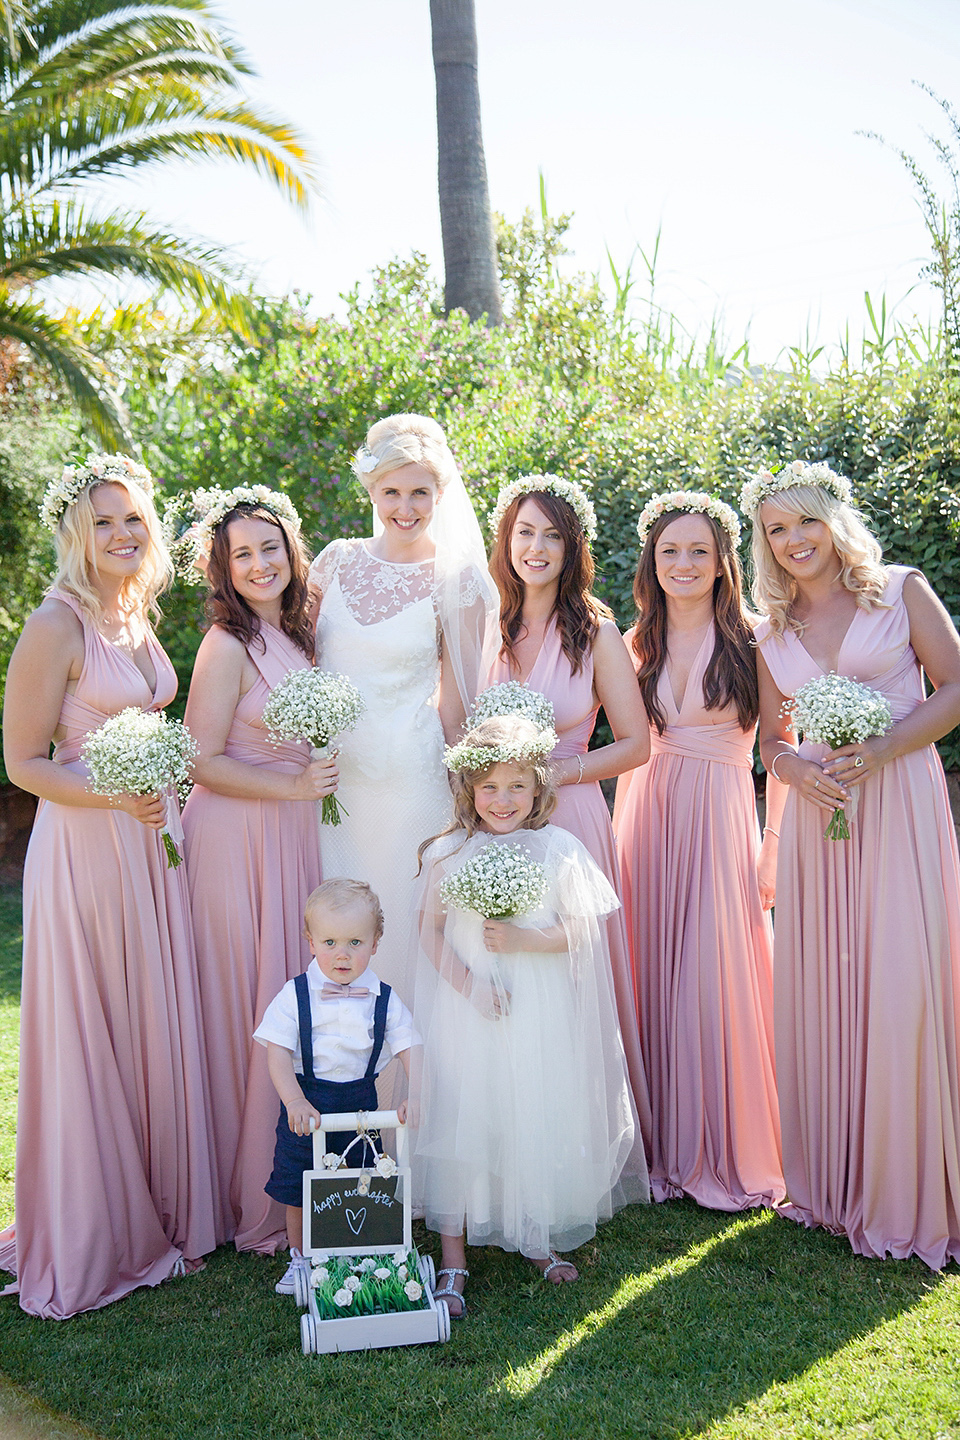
(867, 948)
(113, 1178)
(558, 638)
(696, 879)
(253, 853)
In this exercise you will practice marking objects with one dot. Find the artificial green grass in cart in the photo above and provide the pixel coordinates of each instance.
(686, 1322)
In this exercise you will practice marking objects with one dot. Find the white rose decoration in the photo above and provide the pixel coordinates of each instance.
(343, 1298)
(412, 1290)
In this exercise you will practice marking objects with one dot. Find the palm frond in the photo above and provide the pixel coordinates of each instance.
(55, 344)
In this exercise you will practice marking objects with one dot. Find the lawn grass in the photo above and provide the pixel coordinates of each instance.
(686, 1322)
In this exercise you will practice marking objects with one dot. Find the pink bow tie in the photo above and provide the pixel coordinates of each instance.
(332, 991)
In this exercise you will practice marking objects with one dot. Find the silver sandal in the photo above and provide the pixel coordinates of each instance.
(555, 1262)
(451, 1290)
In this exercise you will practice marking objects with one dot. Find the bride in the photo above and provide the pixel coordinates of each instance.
(403, 615)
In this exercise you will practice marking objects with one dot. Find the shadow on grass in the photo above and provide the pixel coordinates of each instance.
(681, 1316)
(11, 942)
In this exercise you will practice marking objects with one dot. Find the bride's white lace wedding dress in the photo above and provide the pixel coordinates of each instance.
(379, 625)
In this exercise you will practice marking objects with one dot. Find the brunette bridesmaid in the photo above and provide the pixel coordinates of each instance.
(113, 1179)
(558, 638)
(253, 853)
(695, 877)
(867, 947)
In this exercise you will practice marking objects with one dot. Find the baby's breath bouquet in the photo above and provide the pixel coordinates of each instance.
(835, 710)
(375, 1285)
(498, 882)
(512, 698)
(314, 705)
(141, 752)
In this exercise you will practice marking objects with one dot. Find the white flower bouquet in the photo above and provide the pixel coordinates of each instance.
(141, 752)
(498, 882)
(512, 698)
(835, 710)
(376, 1285)
(314, 705)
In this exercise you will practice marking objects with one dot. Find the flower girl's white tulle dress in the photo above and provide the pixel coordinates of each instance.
(525, 1131)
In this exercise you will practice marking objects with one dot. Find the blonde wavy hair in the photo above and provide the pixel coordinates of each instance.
(76, 553)
(400, 440)
(861, 569)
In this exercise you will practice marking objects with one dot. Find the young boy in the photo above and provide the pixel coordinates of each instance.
(327, 1034)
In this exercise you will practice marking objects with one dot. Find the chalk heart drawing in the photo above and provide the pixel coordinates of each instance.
(355, 1219)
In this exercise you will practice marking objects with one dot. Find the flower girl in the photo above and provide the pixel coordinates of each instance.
(525, 1124)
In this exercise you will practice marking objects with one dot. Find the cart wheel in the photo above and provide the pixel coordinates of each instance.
(301, 1286)
(308, 1333)
(443, 1323)
(427, 1272)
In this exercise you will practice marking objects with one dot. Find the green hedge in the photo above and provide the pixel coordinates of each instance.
(564, 387)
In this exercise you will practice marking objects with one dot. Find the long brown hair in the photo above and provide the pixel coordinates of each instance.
(731, 676)
(231, 612)
(578, 612)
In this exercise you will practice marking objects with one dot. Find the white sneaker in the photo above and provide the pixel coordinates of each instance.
(286, 1286)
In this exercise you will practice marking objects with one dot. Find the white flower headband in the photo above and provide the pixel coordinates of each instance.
(568, 490)
(689, 502)
(467, 756)
(66, 491)
(798, 472)
(190, 520)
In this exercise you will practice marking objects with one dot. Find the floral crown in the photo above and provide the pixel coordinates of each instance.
(689, 502)
(190, 519)
(767, 482)
(474, 755)
(66, 491)
(568, 490)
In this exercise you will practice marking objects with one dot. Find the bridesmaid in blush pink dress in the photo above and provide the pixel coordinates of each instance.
(113, 1177)
(560, 640)
(695, 879)
(867, 941)
(253, 853)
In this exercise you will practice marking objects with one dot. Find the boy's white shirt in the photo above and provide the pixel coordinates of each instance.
(342, 1028)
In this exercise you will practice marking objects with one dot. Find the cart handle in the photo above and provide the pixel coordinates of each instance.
(347, 1120)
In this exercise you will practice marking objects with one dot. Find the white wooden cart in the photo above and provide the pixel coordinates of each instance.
(368, 1215)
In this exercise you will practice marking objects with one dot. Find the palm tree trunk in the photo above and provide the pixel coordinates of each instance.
(469, 251)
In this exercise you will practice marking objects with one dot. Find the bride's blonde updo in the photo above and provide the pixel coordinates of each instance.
(400, 440)
(861, 569)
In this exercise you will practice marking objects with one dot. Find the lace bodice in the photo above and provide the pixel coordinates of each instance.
(372, 589)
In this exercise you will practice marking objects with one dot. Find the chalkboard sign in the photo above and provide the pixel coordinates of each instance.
(354, 1212)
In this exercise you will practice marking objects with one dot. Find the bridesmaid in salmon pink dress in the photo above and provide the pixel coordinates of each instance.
(559, 639)
(867, 947)
(113, 1179)
(253, 853)
(695, 878)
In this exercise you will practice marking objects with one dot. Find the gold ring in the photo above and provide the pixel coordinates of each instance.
(858, 762)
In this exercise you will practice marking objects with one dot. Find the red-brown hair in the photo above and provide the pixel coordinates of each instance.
(231, 612)
(731, 676)
(578, 612)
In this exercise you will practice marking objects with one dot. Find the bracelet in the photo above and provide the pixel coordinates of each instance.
(769, 830)
(580, 776)
(773, 764)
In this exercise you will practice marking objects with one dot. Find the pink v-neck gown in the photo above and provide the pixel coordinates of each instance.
(867, 959)
(688, 839)
(113, 1179)
(251, 865)
(582, 810)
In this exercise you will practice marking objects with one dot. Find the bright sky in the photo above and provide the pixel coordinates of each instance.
(730, 125)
